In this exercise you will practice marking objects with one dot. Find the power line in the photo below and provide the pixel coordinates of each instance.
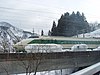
(28, 10)
(25, 16)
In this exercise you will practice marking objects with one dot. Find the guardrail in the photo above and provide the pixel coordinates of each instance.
(89, 70)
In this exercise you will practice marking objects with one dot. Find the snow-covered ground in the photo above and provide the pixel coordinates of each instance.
(94, 34)
(54, 72)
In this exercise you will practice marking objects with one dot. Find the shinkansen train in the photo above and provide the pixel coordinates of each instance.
(43, 48)
(65, 42)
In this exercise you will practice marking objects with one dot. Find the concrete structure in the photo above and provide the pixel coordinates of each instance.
(19, 62)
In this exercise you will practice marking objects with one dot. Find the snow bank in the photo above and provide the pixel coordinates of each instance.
(98, 48)
(79, 47)
(34, 48)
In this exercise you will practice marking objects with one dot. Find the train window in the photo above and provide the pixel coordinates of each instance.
(98, 42)
(71, 42)
(49, 41)
(68, 42)
(76, 42)
(55, 41)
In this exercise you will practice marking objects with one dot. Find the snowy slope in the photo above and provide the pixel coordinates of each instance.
(94, 34)
(16, 31)
(10, 35)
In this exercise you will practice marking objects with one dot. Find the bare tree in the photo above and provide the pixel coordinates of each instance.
(29, 63)
(5, 68)
(32, 63)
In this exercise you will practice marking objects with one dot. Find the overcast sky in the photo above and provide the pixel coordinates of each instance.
(39, 14)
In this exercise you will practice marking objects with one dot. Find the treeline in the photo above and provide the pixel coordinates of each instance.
(70, 25)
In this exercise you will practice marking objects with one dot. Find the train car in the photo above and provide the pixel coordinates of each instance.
(66, 42)
(43, 48)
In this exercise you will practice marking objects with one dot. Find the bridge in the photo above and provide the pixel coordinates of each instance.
(13, 63)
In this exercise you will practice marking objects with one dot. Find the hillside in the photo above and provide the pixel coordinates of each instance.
(17, 32)
(94, 34)
(10, 35)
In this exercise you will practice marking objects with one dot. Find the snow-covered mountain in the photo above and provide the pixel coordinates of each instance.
(13, 32)
(10, 35)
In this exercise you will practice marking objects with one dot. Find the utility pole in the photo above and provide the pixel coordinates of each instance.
(83, 33)
(33, 31)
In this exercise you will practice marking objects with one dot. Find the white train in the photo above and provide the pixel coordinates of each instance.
(65, 42)
(43, 48)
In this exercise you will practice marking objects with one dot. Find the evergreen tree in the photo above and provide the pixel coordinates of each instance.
(63, 25)
(78, 14)
(66, 14)
(73, 16)
(83, 17)
(62, 16)
(49, 33)
(42, 33)
(53, 30)
(70, 25)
